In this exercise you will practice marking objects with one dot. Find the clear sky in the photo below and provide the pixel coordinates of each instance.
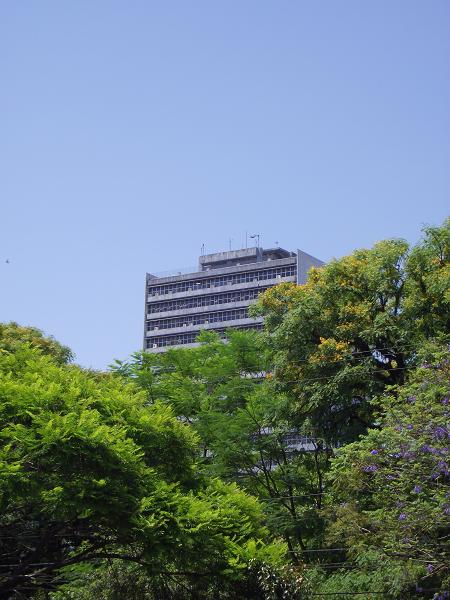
(131, 133)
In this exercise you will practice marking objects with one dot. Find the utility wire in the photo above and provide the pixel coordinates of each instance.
(308, 379)
(369, 353)
(301, 380)
(423, 590)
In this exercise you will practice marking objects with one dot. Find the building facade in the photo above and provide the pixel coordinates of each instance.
(217, 296)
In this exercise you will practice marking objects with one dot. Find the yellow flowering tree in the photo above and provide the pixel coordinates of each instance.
(353, 329)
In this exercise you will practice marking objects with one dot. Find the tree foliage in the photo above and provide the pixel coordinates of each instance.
(390, 489)
(224, 392)
(12, 336)
(354, 329)
(90, 471)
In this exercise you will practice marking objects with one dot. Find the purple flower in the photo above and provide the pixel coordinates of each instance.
(390, 477)
(370, 468)
(402, 517)
(409, 454)
(374, 452)
(440, 432)
(417, 489)
(447, 510)
(443, 467)
(409, 427)
(446, 400)
(430, 568)
(410, 399)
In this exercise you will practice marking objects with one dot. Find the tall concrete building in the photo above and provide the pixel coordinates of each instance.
(216, 296)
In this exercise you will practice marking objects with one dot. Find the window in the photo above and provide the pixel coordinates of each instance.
(199, 319)
(222, 280)
(207, 300)
(189, 337)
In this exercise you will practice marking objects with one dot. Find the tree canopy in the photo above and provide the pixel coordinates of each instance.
(355, 328)
(13, 335)
(91, 471)
(390, 488)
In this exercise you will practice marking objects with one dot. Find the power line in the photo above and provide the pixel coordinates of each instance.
(301, 380)
(318, 550)
(369, 353)
(348, 593)
(327, 377)
(370, 592)
(296, 496)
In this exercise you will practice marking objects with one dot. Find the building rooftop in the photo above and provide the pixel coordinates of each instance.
(218, 260)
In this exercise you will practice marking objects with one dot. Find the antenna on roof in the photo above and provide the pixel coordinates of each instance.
(256, 236)
(202, 251)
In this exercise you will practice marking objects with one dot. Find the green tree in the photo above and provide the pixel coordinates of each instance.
(222, 391)
(390, 490)
(90, 471)
(428, 281)
(13, 335)
(341, 340)
(354, 328)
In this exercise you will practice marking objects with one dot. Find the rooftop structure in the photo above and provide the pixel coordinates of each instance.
(216, 296)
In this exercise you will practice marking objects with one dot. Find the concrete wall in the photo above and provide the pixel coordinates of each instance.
(304, 263)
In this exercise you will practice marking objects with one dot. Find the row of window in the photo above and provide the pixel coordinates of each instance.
(173, 340)
(293, 439)
(231, 279)
(187, 338)
(199, 319)
(210, 300)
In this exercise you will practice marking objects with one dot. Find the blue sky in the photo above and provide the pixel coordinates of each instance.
(131, 133)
